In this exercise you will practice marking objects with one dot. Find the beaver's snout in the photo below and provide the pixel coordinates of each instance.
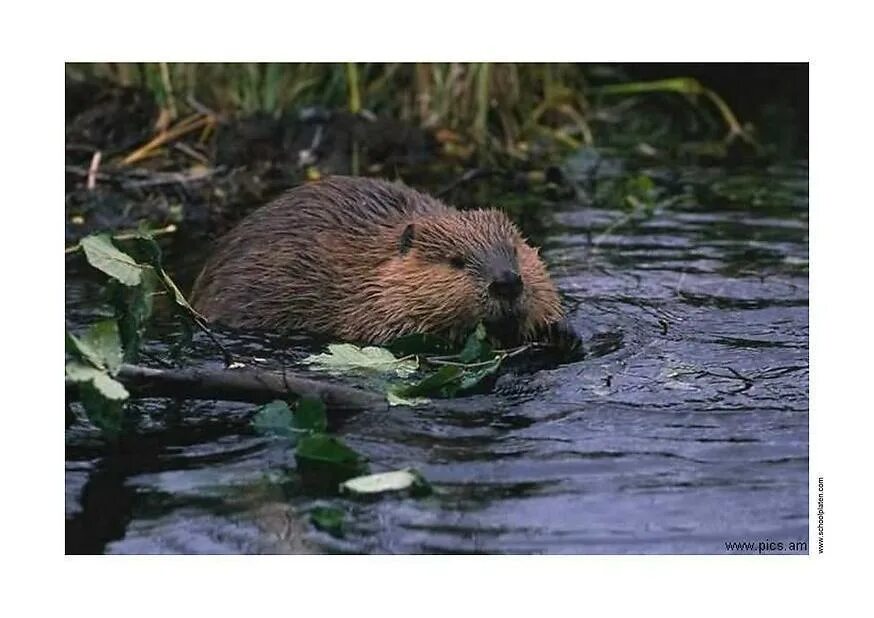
(506, 285)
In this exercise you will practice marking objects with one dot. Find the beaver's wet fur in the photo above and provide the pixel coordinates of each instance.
(368, 260)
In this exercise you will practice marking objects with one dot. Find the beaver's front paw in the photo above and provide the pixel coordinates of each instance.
(561, 337)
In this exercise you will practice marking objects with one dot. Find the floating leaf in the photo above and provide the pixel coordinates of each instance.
(310, 415)
(328, 519)
(104, 256)
(398, 480)
(275, 418)
(326, 459)
(344, 357)
(322, 447)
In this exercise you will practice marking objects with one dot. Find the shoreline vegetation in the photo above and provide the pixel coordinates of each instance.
(473, 113)
(471, 108)
(204, 143)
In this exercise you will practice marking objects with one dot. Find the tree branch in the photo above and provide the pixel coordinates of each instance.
(249, 385)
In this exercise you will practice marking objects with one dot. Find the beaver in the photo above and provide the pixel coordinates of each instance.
(369, 261)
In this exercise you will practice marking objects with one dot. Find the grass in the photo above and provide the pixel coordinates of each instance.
(496, 107)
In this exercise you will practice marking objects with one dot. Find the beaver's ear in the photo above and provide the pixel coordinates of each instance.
(406, 241)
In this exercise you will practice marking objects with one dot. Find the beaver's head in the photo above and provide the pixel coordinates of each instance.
(455, 269)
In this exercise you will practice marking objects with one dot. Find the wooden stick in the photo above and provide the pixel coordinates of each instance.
(92, 171)
(245, 384)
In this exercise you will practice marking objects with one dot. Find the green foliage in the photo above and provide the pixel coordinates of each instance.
(328, 519)
(133, 308)
(101, 405)
(491, 105)
(476, 347)
(639, 193)
(99, 352)
(324, 461)
(686, 86)
(149, 252)
(104, 256)
(97, 357)
(467, 369)
(441, 383)
(310, 415)
(345, 357)
(276, 418)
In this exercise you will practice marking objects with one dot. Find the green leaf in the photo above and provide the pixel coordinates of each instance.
(310, 415)
(275, 418)
(328, 519)
(104, 256)
(103, 339)
(133, 307)
(448, 381)
(110, 388)
(398, 480)
(79, 372)
(640, 193)
(100, 395)
(102, 381)
(476, 348)
(345, 357)
(473, 377)
(105, 413)
(82, 350)
(438, 383)
(326, 458)
(322, 447)
(148, 249)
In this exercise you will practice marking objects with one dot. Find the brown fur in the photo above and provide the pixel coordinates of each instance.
(368, 260)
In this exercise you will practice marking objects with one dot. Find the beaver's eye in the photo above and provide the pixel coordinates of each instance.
(457, 261)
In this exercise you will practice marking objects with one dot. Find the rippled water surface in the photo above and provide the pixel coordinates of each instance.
(685, 427)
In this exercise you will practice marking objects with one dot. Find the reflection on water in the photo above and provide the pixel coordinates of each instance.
(686, 426)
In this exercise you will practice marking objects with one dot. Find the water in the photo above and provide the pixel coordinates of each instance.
(684, 428)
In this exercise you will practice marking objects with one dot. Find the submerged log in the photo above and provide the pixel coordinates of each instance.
(244, 384)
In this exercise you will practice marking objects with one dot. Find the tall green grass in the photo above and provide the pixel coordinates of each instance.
(494, 106)
(486, 102)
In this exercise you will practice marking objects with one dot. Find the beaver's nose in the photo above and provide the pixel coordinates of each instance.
(507, 285)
